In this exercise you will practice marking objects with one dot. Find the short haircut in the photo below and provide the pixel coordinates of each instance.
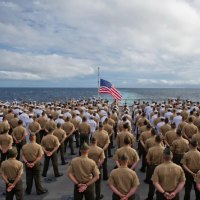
(166, 120)
(127, 140)
(158, 139)
(12, 152)
(178, 132)
(20, 122)
(84, 147)
(58, 125)
(153, 131)
(194, 143)
(93, 140)
(126, 125)
(84, 119)
(190, 119)
(124, 157)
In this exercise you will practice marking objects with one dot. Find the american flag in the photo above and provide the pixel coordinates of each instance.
(107, 88)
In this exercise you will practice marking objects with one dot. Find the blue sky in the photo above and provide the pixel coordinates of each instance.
(48, 43)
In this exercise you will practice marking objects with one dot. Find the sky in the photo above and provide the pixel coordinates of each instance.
(61, 43)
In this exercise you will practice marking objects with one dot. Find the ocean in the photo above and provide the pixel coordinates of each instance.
(64, 94)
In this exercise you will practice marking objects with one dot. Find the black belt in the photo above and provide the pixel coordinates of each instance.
(49, 149)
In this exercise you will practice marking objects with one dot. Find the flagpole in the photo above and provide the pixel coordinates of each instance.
(98, 83)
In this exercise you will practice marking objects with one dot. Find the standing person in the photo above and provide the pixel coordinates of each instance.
(170, 135)
(123, 181)
(61, 135)
(179, 147)
(34, 127)
(83, 172)
(125, 132)
(93, 125)
(76, 123)
(84, 130)
(103, 141)
(97, 154)
(129, 151)
(154, 158)
(168, 178)
(178, 118)
(42, 120)
(197, 137)
(50, 124)
(32, 153)
(50, 145)
(6, 142)
(191, 165)
(197, 179)
(13, 123)
(11, 172)
(189, 129)
(165, 128)
(141, 146)
(107, 127)
(69, 128)
(19, 135)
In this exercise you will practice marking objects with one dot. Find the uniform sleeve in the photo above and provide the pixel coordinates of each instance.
(141, 138)
(40, 151)
(111, 179)
(155, 176)
(197, 178)
(57, 143)
(20, 172)
(148, 157)
(136, 181)
(102, 156)
(11, 140)
(183, 130)
(136, 157)
(25, 132)
(182, 175)
(196, 129)
(184, 160)
(133, 139)
(108, 140)
(95, 170)
(173, 147)
(2, 168)
(65, 134)
(70, 168)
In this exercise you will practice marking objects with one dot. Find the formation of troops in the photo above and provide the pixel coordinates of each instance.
(164, 136)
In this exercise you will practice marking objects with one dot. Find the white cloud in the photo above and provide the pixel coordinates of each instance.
(34, 67)
(152, 40)
(164, 82)
(4, 75)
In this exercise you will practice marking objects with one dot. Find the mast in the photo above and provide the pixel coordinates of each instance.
(98, 84)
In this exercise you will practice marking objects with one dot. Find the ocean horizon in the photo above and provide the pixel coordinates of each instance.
(50, 94)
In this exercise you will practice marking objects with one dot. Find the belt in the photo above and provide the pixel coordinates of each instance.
(153, 165)
(194, 170)
(49, 149)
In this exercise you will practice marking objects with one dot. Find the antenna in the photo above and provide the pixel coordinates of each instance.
(98, 83)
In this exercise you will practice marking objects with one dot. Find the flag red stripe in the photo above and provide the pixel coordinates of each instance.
(112, 91)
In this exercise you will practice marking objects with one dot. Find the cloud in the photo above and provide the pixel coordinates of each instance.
(164, 82)
(4, 75)
(154, 40)
(27, 66)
